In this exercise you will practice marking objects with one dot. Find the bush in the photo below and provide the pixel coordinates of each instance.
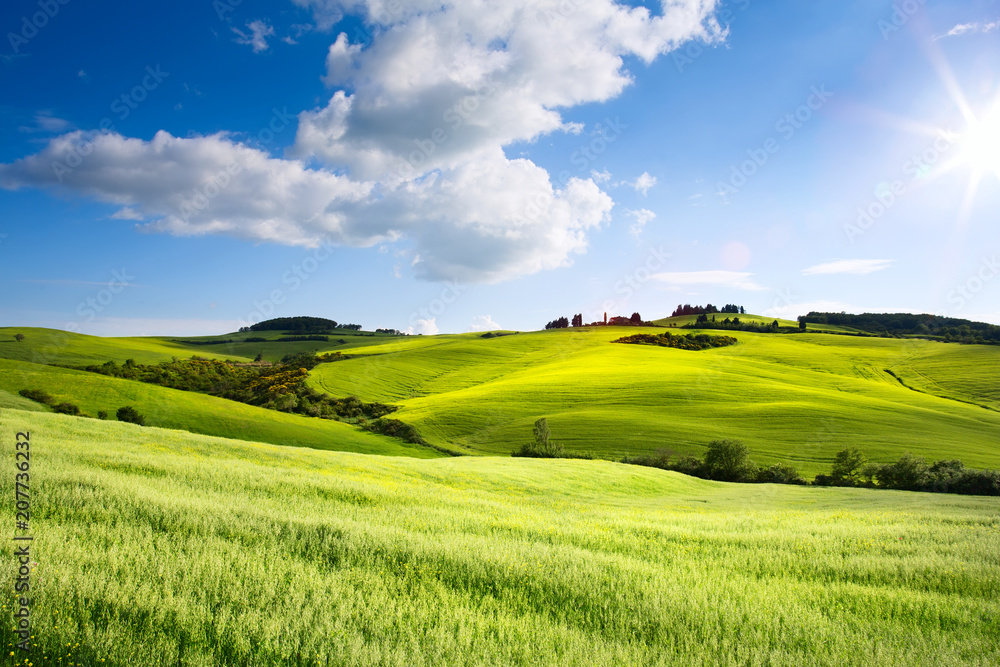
(130, 415)
(779, 474)
(66, 409)
(102, 414)
(543, 446)
(729, 461)
(909, 473)
(37, 395)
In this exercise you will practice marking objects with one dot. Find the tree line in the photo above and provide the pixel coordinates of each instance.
(299, 325)
(707, 309)
(948, 329)
(635, 320)
(729, 461)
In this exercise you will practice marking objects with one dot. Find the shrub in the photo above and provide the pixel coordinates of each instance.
(19, 337)
(37, 395)
(909, 473)
(543, 446)
(729, 461)
(779, 474)
(66, 409)
(102, 414)
(130, 415)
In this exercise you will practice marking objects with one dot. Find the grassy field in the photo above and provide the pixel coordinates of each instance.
(795, 398)
(189, 411)
(157, 547)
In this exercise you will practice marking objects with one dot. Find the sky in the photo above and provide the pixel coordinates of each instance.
(192, 167)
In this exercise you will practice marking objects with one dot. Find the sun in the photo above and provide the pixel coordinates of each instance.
(980, 144)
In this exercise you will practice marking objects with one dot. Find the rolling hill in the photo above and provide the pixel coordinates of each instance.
(155, 546)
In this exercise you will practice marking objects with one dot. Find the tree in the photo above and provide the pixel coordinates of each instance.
(729, 461)
(131, 415)
(802, 323)
(636, 318)
(578, 320)
(19, 337)
(543, 446)
(743, 311)
(775, 325)
(847, 466)
(908, 473)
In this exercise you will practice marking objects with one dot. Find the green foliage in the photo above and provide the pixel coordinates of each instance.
(909, 324)
(779, 474)
(37, 395)
(847, 466)
(102, 414)
(688, 342)
(19, 337)
(542, 446)
(296, 324)
(66, 409)
(728, 460)
(130, 415)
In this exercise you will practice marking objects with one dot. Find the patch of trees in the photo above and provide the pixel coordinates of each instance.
(949, 329)
(300, 339)
(391, 332)
(687, 342)
(910, 473)
(205, 342)
(725, 461)
(279, 386)
(736, 324)
(299, 325)
(707, 309)
(45, 398)
(635, 320)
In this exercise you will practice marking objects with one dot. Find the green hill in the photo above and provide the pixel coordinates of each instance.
(161, 547)
(795, 398)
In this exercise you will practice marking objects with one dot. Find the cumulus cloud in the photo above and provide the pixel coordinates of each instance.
(857, 267)
(483, 323)
(427, 327)
(642, 216)
(257, 37)
(643, 183)
(411, 143)
(734, 279)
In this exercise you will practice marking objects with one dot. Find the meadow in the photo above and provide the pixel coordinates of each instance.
(158, 547)
(793, 398)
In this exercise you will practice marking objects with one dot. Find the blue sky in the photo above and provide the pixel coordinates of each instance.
(185, 169)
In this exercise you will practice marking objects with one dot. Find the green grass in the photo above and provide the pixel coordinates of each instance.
(62, 348)
(197, 413)
(792, 398)
(156, 547)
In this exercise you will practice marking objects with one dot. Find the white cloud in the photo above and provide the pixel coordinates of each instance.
(411, 142)
(44, 121)
(965, 28)
(858, 267)
(127, 214)
(643, 183)
(257, 37)
(734, 279)
(483, 323)
(642, 216)
(600, 176)
(427, 327)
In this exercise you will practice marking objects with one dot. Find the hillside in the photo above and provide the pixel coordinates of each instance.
(161, 547)
(795, 398)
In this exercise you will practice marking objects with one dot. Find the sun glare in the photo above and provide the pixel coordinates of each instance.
(981, 145)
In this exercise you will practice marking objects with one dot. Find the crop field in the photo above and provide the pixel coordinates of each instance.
(793, 398)
(158, 547)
